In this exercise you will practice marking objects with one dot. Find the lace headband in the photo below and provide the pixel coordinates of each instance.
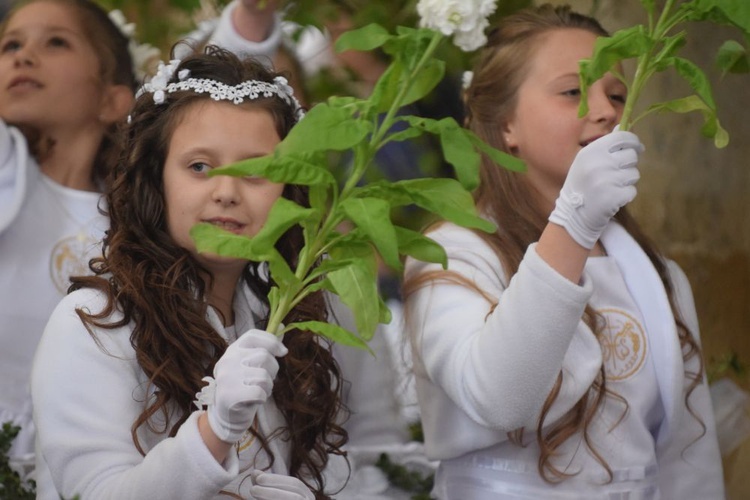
(218, 91)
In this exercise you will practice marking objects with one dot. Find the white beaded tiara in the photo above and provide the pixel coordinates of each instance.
(218, 91)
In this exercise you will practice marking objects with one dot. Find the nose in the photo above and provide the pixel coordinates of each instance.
(25, 56)
(226, 190)
(602, 109)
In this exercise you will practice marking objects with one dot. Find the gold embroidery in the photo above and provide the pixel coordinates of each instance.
(623, 343)
(69, 257)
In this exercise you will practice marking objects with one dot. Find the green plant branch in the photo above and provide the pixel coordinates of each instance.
(387, 122)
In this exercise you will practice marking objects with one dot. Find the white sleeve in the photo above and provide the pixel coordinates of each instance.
(226, 36)
(369, 387)
(690, 466)
(497, 365)
(14, 161)
(86, 398)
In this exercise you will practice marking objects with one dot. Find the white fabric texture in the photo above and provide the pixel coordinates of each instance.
(482, 372)
(47, 233)
(87, 396)
(222, 32)
(600, 181)
(242, 383)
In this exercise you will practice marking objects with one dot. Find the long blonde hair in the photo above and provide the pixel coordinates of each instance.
(511, 201)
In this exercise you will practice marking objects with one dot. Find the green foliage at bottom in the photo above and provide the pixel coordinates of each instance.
(407, 480)
(11, 485)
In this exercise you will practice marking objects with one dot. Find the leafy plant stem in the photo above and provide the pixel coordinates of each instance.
(396, 105)
(643, 69)
(641, 76)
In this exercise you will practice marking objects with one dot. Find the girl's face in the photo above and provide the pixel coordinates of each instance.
(211, 134)
(49, 71)
(545, 130)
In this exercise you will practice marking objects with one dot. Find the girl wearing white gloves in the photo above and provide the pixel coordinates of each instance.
(559, 356)
(124, 359)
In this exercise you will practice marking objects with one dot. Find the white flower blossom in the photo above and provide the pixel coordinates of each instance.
(140, 53)
(466, 79)
(466, 20)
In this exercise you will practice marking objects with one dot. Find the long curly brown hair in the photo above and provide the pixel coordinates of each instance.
(160, 288)
(510, 200)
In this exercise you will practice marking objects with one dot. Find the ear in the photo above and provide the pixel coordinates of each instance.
(508, 134)
(117, 101)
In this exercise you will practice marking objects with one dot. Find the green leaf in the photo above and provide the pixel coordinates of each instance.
(366, 38)
(332, 332)
(733, 58)
(459, 148)
(420, 247)
(448, 199)
(281, 273)
(728, 12)
(356, 285)
(391, 192)
(649, 5)
(608, 51)
(286, 169)
(325, 128)
(386, 88)
(669, 49)
(283, 215)
(384, 313)
(372, 216)
(423, 82)
(211, 239)
(696, 78)
(711, 126)
(501, 158)
(459, 151)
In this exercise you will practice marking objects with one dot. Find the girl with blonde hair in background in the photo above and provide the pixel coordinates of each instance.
(559, 356)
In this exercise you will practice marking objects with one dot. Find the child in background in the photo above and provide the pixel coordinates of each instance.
(124, 355)
(66, 82)
(559, 356)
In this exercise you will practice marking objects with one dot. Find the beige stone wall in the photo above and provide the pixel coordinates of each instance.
(694, 199)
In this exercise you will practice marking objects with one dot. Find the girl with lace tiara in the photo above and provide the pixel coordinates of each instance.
(559, 356)
(157, 318)
(66, 82)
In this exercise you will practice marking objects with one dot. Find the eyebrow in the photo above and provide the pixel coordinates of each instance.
(53, 29)
(201, 151)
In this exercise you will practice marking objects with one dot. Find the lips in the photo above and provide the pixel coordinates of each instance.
(227, 224)
(589, 141)
(22, 82)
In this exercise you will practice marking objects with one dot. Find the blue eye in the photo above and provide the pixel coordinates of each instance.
(199, 167)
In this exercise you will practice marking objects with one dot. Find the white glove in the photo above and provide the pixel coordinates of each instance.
(268, 486)
(601, 180)
(243, 382)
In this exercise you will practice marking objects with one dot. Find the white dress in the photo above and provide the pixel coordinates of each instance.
(482, 372)
(48, 232)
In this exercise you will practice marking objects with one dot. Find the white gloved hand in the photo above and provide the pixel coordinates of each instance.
(601, 180)
(268, 486)
(243, 382)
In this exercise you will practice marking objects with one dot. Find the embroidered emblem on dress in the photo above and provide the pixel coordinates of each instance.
(623, 343)
(70, 257)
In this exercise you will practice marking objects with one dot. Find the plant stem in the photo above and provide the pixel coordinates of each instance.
(364, 154)
(643, 69)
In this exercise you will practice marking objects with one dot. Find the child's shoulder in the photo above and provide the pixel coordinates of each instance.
(448, 233)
